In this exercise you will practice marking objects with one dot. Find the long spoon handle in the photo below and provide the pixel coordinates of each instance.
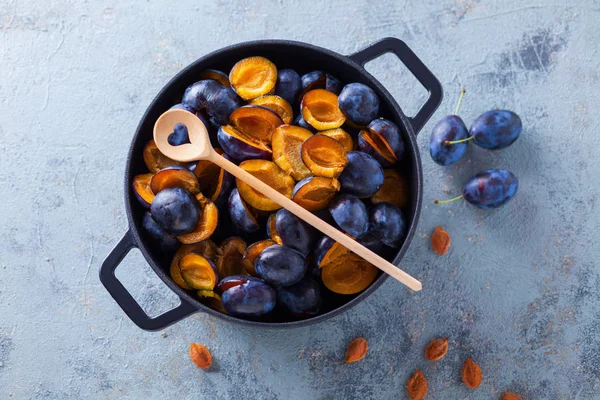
(316, 222)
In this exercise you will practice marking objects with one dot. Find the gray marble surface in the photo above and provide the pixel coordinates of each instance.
(518, 291)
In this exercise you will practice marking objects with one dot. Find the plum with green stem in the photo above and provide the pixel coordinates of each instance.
(488, 189)
(445, 143)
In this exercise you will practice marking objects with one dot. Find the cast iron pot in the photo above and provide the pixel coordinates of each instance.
(285, 54)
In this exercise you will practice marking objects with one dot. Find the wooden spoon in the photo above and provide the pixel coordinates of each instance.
(200, 148)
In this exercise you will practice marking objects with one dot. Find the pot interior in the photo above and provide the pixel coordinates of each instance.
(302, 58)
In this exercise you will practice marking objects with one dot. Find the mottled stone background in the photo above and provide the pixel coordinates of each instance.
(518, 292)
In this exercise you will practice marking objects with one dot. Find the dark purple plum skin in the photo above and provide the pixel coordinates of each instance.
(294, 232)
(359, 103)
(301, 183)
(288, 85)
(390, 132)
(239, 215)
(211, 128)
(176, 210)
(158, 236)
(195, 96)
(221, 104)
(449, 128)
(388, 224)
(322, 247)
(496, 129)
(240, 150)
(179, 136)
(280, 265)
(180, 106)
(373, 243)
(490, 189)
(350, 214)
(325, 215)
(301, 299)
(204, 117)
(313, 80)
(363, 175)
(303, 124)
(226, 187)
(333, 84)
(253, 298)
(219, 101)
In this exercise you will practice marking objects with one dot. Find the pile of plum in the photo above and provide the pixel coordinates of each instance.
(315, 140)
(492, 130)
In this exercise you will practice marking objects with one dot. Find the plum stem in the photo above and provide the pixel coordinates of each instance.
(462, 93)
(447, 201)
(458, 141)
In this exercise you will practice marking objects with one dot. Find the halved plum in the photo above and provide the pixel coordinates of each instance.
(142, 191)
(276, 104)
(344, 272)
(247, 296)
(171, 177)
(287, 150)
(207, 223)
(315, 193)
(211, 299)
(216, 75)
(256, 122)
(324, 245)
(311, 81)
(272, 175)
(208, 249)
(324, 156)
(363, 176)
(240, 146)
(221, 187)
(198, 272)
(252, 252)
(243, 217)
(292, 231)
(391, 133)
(395, 189)
(207, 172)
(383, 141)
(350, 214)
(272, 229)
(341, 136)
(280, 265)
(229, 260)
(253, 77)
(155, 160)
(320, 109)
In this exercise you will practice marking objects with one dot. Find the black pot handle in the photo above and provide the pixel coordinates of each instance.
(415, 65)
(124, 298)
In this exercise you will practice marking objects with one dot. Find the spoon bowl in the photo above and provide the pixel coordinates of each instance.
(199, 147)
